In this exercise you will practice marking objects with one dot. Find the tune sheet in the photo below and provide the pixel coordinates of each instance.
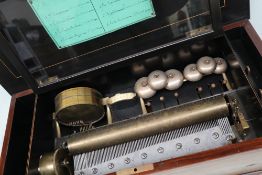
(70, 22)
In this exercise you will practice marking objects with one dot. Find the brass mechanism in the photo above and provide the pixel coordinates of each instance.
(151, 124)
(79, 106)
(57, 163)
(240, 121)
(115, 99)
(148, 125)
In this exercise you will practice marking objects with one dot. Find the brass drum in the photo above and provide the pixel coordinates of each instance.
(79, 106)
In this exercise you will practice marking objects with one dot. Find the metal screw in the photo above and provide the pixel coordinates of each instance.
(229, 138)
(213, 85)
(176, 94)
(178, 145)
(160, 150)
(111, 166)
(156, 75)
(162, 98)
(127, 160)
(196, 140)
(199, 89)
(95, 170)
(144, 84)
(143, 155)
(215, 135)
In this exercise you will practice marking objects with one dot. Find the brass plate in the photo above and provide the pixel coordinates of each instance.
(79, 106)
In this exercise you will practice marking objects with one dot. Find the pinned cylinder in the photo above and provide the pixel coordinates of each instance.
(149, 125)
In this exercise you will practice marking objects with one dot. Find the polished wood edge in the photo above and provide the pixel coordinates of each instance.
(234, 25)
(254, 36)
(23, 93)
(250, 31)
(7, 135)
(9, 127)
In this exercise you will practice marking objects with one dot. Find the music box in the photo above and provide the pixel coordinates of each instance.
(131, 87)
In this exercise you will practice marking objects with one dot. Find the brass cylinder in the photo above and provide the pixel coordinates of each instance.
(148, 125)
(79, 106)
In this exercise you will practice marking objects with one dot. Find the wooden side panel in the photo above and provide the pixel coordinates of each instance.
(7, 135)
(9, 128)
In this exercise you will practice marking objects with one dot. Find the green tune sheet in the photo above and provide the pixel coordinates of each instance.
(70, 22)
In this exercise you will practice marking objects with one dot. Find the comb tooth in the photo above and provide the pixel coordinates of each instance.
(223, 126)
(140, 146)
(89, 158)
(143, 143)
(132, 148)
(93, 155)
(158, 138)
(116, 151)
(152, 140)
(97, 157)
(102, 155)
(83, 165)
(119, 148)
(76, 161)
(92, 158)
(135, 146)
(128, 147)
(155, 140)
(181, 132)
(85, 161)
(105, 154)
(193, 129)
(164, 138)
(170, 135)
(123, 149)
(113, 152)
(109, 153)
(82, 162)
(147, 141)
(79, 161)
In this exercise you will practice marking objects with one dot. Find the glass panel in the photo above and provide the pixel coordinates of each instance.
(172, 20)
(71, 22)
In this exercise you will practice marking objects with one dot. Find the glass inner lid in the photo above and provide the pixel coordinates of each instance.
(56, 40)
